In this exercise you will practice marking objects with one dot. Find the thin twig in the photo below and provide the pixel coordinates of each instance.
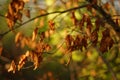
(105, 15)
(46, 14)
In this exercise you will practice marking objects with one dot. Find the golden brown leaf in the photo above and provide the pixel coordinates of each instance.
(14, 13)
(18, 38)
(69, 40)
(19, 17)
(34, 34)
(107, 6)
(51, 25)
(22, 61)
(103, 47)
(12, 67)
(84, 19)
(106, 33)
(47, 47)
(88, 32)
(94, 37)
(35, 59)
(74, 20)
(10, 20)
(27, 12)
(106, 41)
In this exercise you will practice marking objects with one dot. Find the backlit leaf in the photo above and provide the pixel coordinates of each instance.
(12, 67)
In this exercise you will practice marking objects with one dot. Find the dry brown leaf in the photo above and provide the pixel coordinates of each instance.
(106, 41)
(34, 58)
(27, 12)
(103, 47)
(35, 61)
(19, 16)
(94, 37)
(69, 41)
(47, 47)
(22, 61)
(88, 32)
(12, 67)
(74, 20)
(34, 34)
(51, 25)
(13, 13)
(17, 37)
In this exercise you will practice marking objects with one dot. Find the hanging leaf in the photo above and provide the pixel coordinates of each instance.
(94, 37)
(74, 20)
(97, 24)
(18, 38)
(12, 67)
(35, 59)
(69, 41)
(22, 60)
(34, 34)
(27, 12)
(106, 41)
(14, 12)
(89, 27)
(51, 25)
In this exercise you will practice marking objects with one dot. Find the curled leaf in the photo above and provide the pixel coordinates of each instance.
(34, 34)
(106, 41)
(22, 61)
(12, 67)
(18, 37)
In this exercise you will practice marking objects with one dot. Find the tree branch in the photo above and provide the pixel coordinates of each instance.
(106, 16)
(46, 14)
